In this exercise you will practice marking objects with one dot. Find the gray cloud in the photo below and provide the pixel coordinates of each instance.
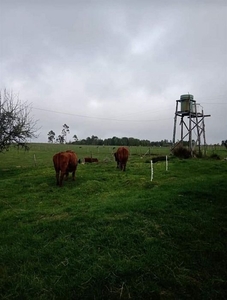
(116, 67)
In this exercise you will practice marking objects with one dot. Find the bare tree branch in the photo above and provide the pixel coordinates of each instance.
(16, 123)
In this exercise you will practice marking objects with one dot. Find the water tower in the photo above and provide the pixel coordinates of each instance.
(192, 125)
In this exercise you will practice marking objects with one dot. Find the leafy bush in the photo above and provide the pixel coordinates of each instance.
(181, 152)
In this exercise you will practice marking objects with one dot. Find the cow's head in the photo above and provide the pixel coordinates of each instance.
(115, 155)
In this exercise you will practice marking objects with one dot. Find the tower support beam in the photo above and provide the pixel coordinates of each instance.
(193, 127)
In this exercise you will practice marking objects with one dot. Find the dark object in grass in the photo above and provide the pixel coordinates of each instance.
(215, 156)
(158, 158)
(90, 159)
(181, 152)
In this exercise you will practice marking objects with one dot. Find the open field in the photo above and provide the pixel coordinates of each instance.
(112, 234)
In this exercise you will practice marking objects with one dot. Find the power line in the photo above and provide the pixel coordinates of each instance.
(98, 118)
(118, 120)
(212, 103)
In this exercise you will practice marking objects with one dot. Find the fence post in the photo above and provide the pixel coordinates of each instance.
(152, 171)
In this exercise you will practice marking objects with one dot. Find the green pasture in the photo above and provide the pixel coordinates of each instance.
(113, 234)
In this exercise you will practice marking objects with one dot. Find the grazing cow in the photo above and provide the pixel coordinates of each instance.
(65, 162)
(90, 160)
(121, 157)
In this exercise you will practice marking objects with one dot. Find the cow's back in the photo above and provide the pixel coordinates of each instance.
(72, 160)
(122, 154)
(60, 160)
(65, 162)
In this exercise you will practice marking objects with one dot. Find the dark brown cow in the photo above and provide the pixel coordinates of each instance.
(90, 160)
(65, 162)
(121, 157)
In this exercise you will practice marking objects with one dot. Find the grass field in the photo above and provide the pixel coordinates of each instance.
(112, 234)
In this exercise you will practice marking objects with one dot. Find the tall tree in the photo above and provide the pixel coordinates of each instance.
(65, 131)
(60, 139)
(94, 139)
(16, 124)
(51, 136)
(75, 138)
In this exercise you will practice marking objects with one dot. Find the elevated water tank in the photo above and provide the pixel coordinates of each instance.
(197, 108)
(186, 102)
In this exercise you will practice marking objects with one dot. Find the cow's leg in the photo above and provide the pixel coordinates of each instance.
(61, 178)
(64, 172)
(57, 177)
(66, 175)
(73, 174)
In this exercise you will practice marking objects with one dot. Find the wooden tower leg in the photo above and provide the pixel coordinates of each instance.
(204, 136)
(197, 127)
(175, 124)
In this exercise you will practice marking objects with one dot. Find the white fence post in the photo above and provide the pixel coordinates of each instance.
(152, 171)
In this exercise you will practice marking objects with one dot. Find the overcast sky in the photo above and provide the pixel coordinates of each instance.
(116, 68)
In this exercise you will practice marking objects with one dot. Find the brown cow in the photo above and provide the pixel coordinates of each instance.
(90, 160)
(121, 157)
(65, 162)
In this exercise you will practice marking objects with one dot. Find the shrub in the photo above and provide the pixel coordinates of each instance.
(181, 152)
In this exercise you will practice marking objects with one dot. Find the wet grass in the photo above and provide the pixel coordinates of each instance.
(112, 235)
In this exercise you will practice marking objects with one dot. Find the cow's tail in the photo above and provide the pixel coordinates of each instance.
(57, 165)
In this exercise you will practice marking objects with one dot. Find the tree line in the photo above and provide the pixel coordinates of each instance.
(114, 141)
(224, 143)
(95, 140)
